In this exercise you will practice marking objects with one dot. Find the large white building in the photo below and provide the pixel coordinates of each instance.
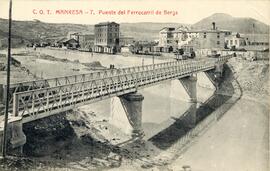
(171, 38)
(236, 40)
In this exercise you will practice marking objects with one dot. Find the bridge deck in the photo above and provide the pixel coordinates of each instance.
(45, 101)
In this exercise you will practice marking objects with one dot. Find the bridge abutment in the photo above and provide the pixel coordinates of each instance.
(15, 135)
(18, 138)
(126, 113)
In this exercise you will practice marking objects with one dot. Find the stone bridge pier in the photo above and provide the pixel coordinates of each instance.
(215, 75)
(15, 135)
(190, 85)
(126, 113)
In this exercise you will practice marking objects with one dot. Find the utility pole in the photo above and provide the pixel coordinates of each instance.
(253, 31)
(153, 61)
(8, 82)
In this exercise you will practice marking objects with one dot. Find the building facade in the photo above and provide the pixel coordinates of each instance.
(167, 37)
(107, 36)
(126, 40)
(212, 39)
(171, 39)
(235, 41)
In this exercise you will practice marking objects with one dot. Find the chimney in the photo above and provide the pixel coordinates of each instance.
(214, 25)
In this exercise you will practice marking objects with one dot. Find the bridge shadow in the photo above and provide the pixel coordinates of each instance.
(62, 146)
(53, 142)
(193, 116)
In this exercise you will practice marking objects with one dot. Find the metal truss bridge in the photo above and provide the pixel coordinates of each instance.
(37, 99)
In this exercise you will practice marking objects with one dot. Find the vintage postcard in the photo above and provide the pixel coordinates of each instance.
(134, 85)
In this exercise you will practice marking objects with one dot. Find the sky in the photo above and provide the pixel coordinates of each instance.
(188, 11)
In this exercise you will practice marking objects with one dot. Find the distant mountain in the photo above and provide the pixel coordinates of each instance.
(235, 24)
(30, 31)
(36, 31)
(145, 30)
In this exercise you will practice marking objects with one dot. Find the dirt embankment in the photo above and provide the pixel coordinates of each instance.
(253, 78)
(17, 74)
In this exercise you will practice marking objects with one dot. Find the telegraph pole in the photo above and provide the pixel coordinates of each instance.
(4, 145)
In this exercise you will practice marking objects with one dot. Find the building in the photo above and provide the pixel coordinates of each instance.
(235, 40)
(142, 47)
(84, 40)
(106, 37)
(257, 39)
(252, 42)
(166, 37)
(73, 35)
(171, 39)
(67, 43)
(212, 39)
(126, 40)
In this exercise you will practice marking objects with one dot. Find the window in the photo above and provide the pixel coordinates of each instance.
(235, 42)
(204, 35)
(218, 42)
(231, 42)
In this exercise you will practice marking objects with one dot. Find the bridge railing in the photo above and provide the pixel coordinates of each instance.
(33, 102)
(109, 79)
(57, 81)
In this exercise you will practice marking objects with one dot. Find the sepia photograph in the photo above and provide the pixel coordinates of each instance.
(134, 85)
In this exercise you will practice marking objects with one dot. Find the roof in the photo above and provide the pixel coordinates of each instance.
(86, 35)
(208, 31)
(74, 33)
(186, 30)
(106, 23)
(255, 48)
(70, 40)
(257, 37)
(126, 37)
(62, 40)
(167, 29)
(65, 40)
(182, 28)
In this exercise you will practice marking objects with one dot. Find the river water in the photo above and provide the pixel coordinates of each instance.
(159, 109)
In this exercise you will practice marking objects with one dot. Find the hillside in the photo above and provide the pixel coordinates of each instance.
(24, 31)
(31, 31)
(227, 22)
(145, 30)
